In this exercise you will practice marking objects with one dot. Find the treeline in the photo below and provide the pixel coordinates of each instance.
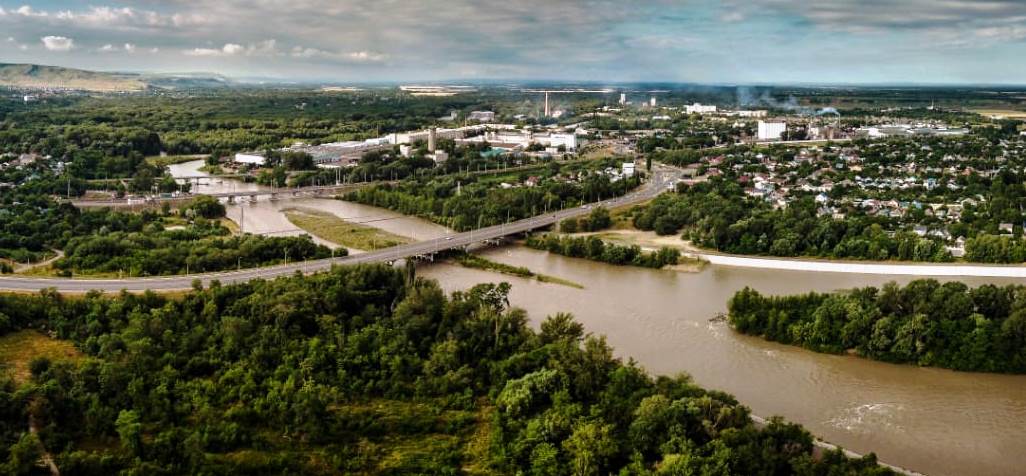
(465, 203)
(148, 243)
(924, 323)
(197, 248)
(364, 370)
(995, 249)
(593, 248)
(597, 219)
(718, 215)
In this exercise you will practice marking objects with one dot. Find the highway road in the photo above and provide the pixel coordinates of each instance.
(661, 178)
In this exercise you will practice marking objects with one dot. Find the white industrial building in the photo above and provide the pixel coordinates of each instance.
(442, 133)
(771, 130)
(697, 108)
(251, 159)
(757, 113)
(628, 169)
(482, 116)
(512, 138)
(347, 151)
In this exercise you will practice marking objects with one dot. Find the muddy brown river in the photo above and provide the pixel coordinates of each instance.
(933, 421)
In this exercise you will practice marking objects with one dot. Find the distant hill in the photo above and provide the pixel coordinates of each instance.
(187, 81)
(32, 76)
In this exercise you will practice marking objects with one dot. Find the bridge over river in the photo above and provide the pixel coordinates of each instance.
(660, 180)
(232, 196)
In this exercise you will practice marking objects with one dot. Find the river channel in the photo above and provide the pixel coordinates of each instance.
(934, 421)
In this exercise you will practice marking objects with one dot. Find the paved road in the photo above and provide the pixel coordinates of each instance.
(661, 178)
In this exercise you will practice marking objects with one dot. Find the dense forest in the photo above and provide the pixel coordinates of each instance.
(363, 370)
(924, 323)
(593, 248)
(465, 203)
(149, 243)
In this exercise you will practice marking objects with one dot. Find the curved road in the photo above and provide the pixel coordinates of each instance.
(661, 178)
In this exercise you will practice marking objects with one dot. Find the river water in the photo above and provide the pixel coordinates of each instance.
(934, 421)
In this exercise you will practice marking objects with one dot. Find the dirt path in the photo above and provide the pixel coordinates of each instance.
(22, 267)
(47, 458)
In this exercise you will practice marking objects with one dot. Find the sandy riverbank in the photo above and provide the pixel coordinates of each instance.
(909, 269)
(650, 241)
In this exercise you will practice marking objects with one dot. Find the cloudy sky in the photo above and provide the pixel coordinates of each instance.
(727, 41)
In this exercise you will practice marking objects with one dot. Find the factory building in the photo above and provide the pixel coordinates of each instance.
(771, 130)
(758, 113)
(697, 108)
(251, 159)
(482, 116)
(441, 133)
(511, 139)
(348, 151)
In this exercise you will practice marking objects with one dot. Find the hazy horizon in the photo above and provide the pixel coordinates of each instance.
(761, 42)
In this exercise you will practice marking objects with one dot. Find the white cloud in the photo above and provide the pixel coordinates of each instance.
(365, 56)
(227, 50)
(129, 47)
(232, 49)
(58, 43)
(107, 48)
(27, 11)
(263, 48)
(203, 52)
(355, 56)
(154, 50)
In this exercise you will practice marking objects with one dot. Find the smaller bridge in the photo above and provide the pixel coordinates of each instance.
(274, 193)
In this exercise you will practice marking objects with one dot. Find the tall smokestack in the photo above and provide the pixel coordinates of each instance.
(431, 139)
(546, 104)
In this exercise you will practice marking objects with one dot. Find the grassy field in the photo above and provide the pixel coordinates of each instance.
(327, 226)
(477, 262)
(17, 350)
(1001, 113)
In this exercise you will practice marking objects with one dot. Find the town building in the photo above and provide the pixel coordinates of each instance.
(482, 116)
(770, 130)
(250, 159)
(697, 108)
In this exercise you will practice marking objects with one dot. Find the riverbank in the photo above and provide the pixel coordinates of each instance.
(329, 227)
(477, 262)
(856, 267)
(648, 241)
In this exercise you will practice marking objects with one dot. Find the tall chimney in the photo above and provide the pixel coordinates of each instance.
(546, 104)
(431, 139)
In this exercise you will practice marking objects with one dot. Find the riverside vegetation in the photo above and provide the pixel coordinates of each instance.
(364, 370)
(924, 323)
(594, 248)
(150, 243)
